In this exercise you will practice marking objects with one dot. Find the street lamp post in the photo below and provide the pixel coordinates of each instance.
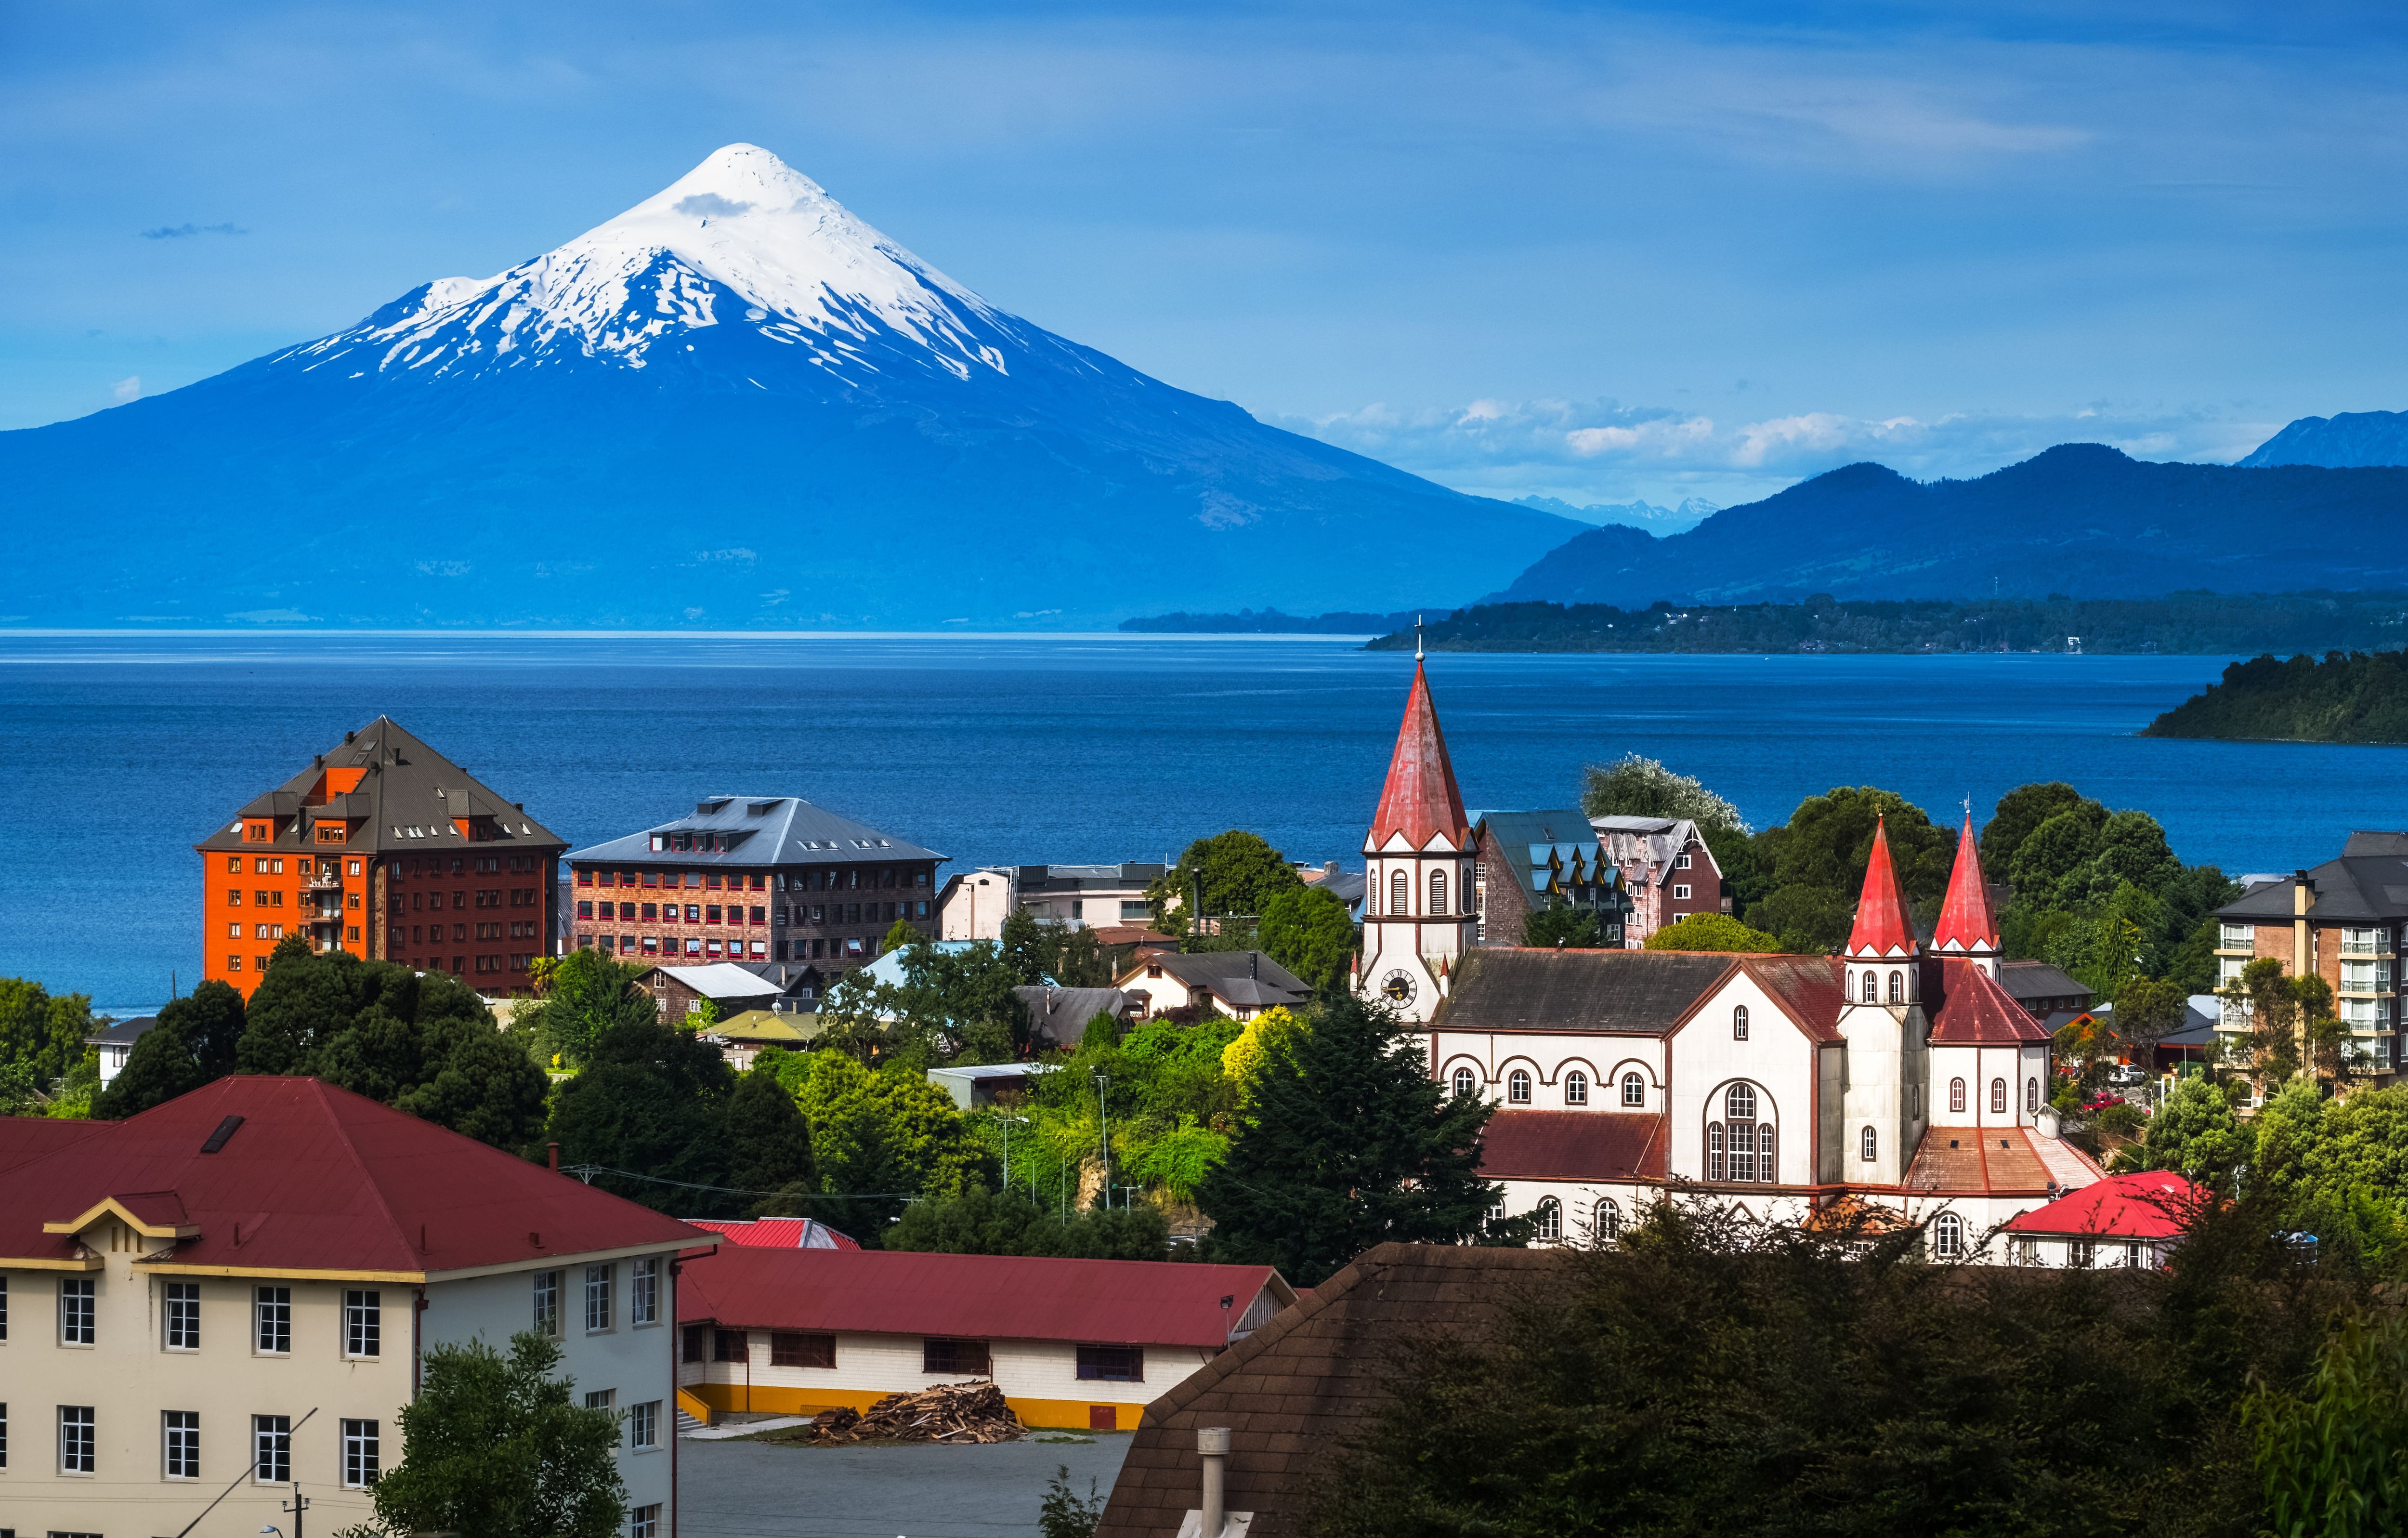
(1104, 1118)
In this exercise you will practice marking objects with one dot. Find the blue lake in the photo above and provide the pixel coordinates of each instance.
(117, 753)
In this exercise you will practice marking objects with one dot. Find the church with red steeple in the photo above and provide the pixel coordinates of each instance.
(1897, 1072)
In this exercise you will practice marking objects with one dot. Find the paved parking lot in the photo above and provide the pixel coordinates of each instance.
(750, 1490)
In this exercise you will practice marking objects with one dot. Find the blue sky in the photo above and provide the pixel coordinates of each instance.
(1589, 252)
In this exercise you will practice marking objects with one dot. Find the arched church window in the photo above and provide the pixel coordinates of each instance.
(1740, 1104)
(2031, 1095)
(1398, 894)
(1575, 1087)
(1464, 1087)
(1738, 1023)
(1865, 1148)
(1517, 1086)
(1872, 989)
(1634, 1089)
(1997, 1097)
(1898, 987)
(1609, 1220)
(1715, 1151)
(1550, 1220)
(1955, 1097)
(1437, 891)
(1947, 1236)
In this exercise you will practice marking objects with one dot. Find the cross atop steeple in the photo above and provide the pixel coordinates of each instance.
(1417, 638)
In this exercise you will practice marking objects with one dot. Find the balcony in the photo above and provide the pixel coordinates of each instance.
(2380, 946)
(325, 880)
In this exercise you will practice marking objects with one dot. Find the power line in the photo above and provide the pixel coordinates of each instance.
(587, 1171)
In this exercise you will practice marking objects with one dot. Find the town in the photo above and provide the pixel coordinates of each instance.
(759, 1123)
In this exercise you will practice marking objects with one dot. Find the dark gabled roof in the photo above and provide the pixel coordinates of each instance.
(123, 1032)
(1619, 1146)
(1059, 1016)
(1220, 970)
(1293, 1391)
(2037, 980)
(410, 799)
(2372, 887)
(1970, 1008)
(761, 830)
(1536, 845)
(1641, 992)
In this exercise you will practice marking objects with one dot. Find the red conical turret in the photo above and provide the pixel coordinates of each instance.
(1883, 927)
(1419, 800)
(1965, 925)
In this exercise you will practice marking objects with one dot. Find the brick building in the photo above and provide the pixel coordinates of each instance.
(1666, 868)
(752, 879)
(387, 849)
(2342, 921)
(1533, 860)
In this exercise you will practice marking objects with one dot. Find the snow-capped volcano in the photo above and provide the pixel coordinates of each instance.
(743, 240)
(735, 405)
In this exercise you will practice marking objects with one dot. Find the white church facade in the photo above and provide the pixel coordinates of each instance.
(1898, 1074)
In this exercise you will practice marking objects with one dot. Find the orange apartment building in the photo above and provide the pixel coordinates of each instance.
(385, 849)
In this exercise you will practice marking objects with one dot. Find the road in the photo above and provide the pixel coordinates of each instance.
(750, 1490)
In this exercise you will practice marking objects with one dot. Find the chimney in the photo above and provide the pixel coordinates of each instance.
(554, 1149)
(1211, 1446)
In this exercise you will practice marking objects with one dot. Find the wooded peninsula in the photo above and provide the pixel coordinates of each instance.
(2352, 697)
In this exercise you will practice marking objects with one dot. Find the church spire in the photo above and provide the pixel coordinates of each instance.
(1967, 927)
(1883, 927)
(1419, 800)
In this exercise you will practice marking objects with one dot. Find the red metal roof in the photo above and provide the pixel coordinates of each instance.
(25, 1137)
(1970, 1008)
(1590, 1146)
(1966, 923)
(1419, 800)
(2153, 1204)
(1812, 989)
(973, 1297)
(779, 1233)
(316, 1179)
(1883, 927)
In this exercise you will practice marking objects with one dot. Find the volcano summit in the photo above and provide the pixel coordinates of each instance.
(734, 406)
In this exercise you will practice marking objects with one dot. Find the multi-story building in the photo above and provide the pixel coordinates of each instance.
(976, 902)
(1535, 860)
(751, 878)
(385, 849)
(1666, 868)
(237, 1291)
(2341, 921)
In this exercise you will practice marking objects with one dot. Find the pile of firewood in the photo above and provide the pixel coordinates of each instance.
(952, 1412)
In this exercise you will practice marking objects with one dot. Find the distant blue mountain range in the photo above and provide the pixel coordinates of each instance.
(2350, 438)
(734, 406)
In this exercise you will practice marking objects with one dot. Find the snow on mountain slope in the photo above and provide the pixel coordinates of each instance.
(741, 240)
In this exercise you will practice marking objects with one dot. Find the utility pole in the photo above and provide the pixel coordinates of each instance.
(300, 1504)
(1103, 1117)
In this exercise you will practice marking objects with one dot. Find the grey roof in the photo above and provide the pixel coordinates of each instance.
(1078, 878)
(2037, 980)
(724, 980)
(1653, 841)
(1637, 991)
(1345, 885)
(2370, 882)
(1536, 844)
(762, 830)
(787, 977)
(409, 802)
(1059, 1016)
(124, 1033)
(1221, 970)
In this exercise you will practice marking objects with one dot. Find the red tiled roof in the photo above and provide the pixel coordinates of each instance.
(315, 1179)
(973, 1297)
(1881, 927)
(1973, 1008)
(1419, 799)
(1586, 1145)
(1964, 920)
(2153, 1204)
(779, 1233)
(1812, 990)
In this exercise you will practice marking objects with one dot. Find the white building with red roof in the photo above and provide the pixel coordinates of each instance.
(1896, 1073)
(236, 1288)
(2122, 1220)
(1079, 1344)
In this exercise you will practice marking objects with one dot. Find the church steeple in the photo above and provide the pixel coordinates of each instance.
(1883, 930)
(1419, 800)
(1420, 896)
(1967, 927)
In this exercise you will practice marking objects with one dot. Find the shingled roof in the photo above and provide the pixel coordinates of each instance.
(398, 795)
(1643, 992)
(1970, 1008)
(1580, 1146)
(1303, 1383)
(756, 830)
(1419, 800)
(2370, 882)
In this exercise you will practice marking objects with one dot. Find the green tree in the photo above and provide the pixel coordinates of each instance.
(899, 934)
(584, 996)
(979, 1222)
(1353, 1143)
(1563, 927)
(193, 1044)
(769, 1142)
(2148, 1010)
(1816, 864)
(1063, 1512)
(2196, 1133)
(2334, 1457)
(1308, 930)
(1806, 919)
(1711, 932)
(879, 1138)
(1633, 787)
(2048, 859)
(495, 1445)
(1234, 872)
(42, 1032)
(650, 1106)
(2019, 811)
(1042, 951)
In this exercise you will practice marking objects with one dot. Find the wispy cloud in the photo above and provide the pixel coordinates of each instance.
(1604, 452)
(129, 388)
(709, 206)
(185, 232)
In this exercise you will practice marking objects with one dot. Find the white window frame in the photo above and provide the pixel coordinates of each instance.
(180, 1445)
(644, 1427)
(546, 1302)
(1517, 1087)
(362, 1443)
(644, 1293)
(1634, 1089)
(1575, 1087)
(79, 1312)
(179, 1317)
(271, 1439)
(1679, 894)
(79, 1440)
(265, 1310)
(601, 1283)
(363, 1324)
